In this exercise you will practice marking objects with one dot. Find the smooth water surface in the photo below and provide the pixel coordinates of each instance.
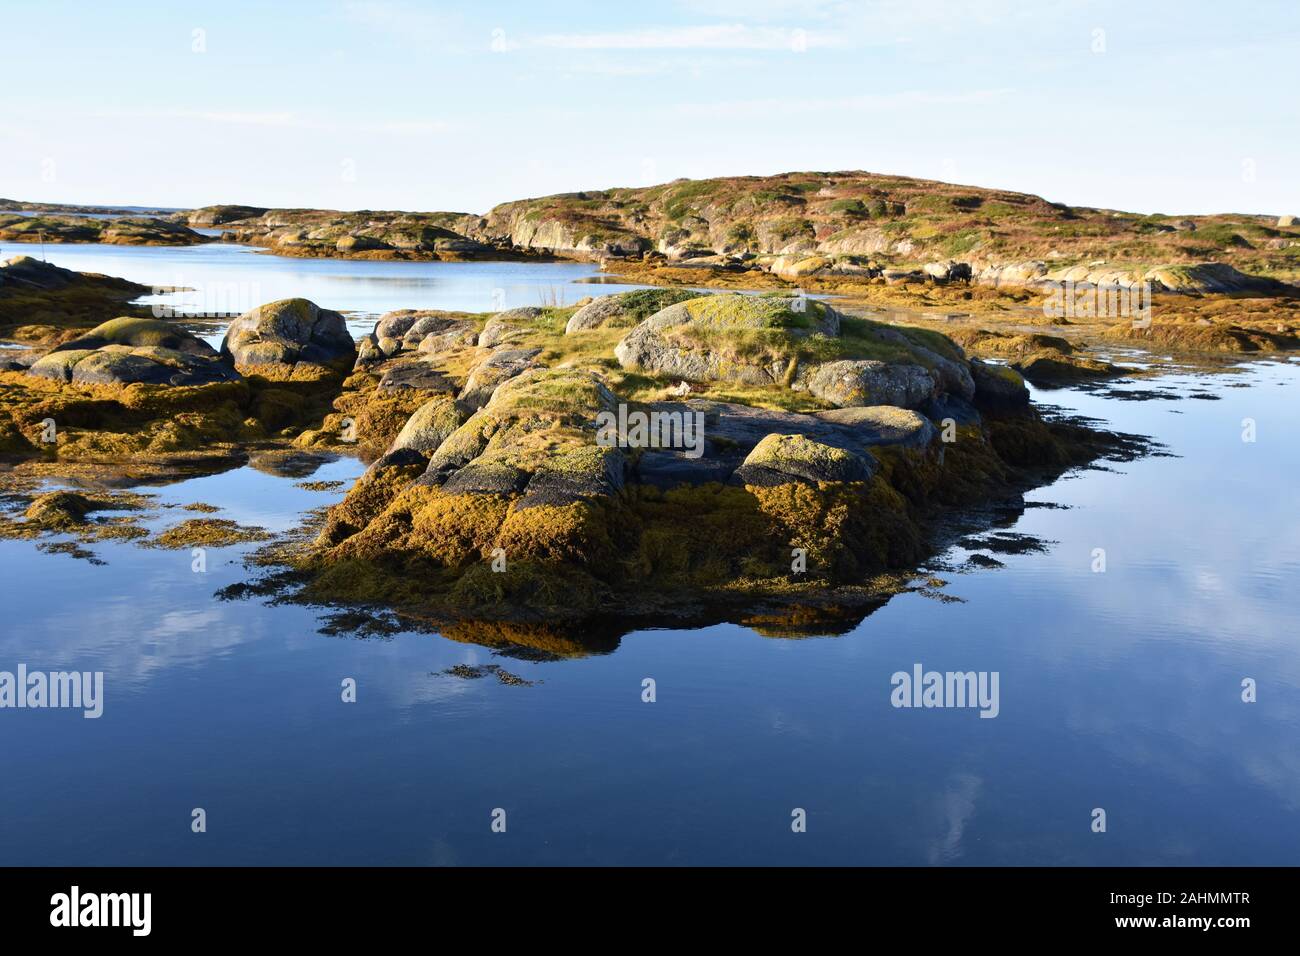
(226, 278)
(1118, 690)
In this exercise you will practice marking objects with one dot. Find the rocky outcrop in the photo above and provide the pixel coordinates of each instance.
(488, 375)
(625, 309)
(713, 338)
(794, 342)
(779, 459)
(35, 293)
(870, 382)
(123, 231)
(209, 216)
(365, 234)
(732, 431)
(129, 350)
(998, 386)
(409, 330)
(1205, 277)
(287, 334)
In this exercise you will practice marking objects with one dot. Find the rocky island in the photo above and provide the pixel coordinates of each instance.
(682, 449)
(781, 452)
(117, 231)
(982, 259)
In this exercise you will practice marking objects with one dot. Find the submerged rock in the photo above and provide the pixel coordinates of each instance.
(59, 509)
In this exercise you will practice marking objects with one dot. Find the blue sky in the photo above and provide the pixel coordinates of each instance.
(1149, 106)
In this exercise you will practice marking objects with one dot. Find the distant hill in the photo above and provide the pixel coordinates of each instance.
(802, 227)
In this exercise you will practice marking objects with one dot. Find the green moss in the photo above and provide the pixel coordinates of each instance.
(777, 450)
(640, 304)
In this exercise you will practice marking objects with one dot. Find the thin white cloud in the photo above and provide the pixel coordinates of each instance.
(235, 118)
(400, 18)
(410, 127)
(733, 36)
(245, 119)
(863, 103)
(766, 9)
(283, 120)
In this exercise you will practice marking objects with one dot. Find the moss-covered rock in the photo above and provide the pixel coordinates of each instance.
(869, 382)
(507, 326)
(128, 350)
(289, 333)
(782, 458)
(727, 338)
(998, 386)
(429, 426)
(487, 376)
(625, 308)
(409, 330)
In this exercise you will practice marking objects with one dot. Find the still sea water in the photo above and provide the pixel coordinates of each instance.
(225, 278)
(1118, 690)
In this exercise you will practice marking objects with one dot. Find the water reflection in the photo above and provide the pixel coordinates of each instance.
(229, 278)
(1119, 690)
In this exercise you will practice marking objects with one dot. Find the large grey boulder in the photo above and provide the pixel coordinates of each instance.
(287, 333)
(499, 367)
(625, 308)
(428, 426)
(709, 338)
(128, 350)
(869, 382)
(998, 386)
(781, 459)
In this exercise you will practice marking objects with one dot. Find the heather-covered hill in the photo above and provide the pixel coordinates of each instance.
(798, 224)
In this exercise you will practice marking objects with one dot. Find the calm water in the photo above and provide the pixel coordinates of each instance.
(124, 211)
(1118, 690)
(223, 278)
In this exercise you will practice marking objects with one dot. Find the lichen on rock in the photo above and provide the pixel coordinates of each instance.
(279, 337)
